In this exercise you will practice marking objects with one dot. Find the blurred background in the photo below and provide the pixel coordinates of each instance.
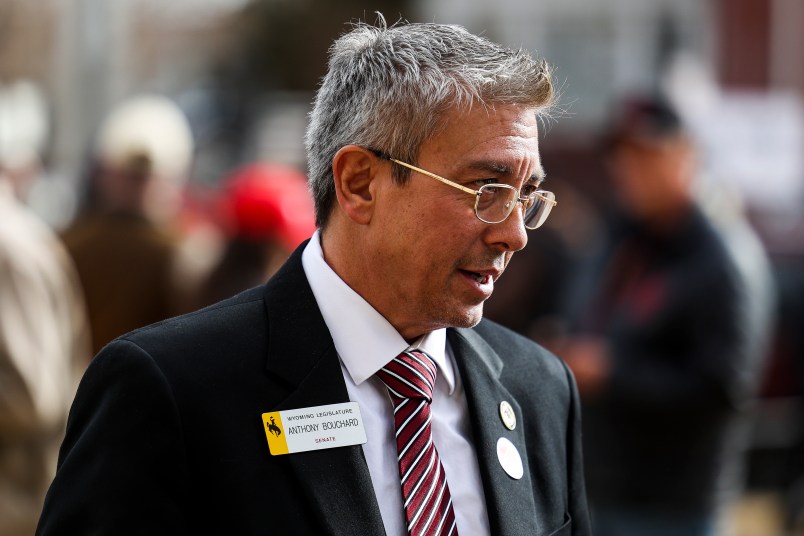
(241, 74)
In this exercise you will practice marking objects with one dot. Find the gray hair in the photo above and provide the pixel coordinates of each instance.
(388, 88)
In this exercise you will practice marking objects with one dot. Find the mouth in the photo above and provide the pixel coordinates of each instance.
(482, 278)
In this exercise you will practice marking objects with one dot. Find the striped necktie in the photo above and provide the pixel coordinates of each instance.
(410, 379)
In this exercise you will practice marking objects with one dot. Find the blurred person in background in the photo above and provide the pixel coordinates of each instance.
(124, 242)
(44, 336)
(266, 211)
(666, 342)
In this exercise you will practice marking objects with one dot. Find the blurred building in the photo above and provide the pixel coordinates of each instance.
(244, 70)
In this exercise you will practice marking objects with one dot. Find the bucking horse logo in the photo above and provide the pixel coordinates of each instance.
(274, 429)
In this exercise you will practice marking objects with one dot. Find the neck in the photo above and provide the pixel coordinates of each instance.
(348, 253)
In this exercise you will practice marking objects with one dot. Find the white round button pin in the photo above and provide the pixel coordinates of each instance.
(507, 415)
(509, 458)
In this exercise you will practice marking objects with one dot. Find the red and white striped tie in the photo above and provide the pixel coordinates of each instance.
(410, 378)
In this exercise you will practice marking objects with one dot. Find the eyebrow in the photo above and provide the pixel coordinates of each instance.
(500, 168)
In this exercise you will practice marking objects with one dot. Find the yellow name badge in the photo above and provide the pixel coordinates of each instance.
(316, 428)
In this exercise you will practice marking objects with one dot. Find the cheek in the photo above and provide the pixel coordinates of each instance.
(405, 214)
(430, 236)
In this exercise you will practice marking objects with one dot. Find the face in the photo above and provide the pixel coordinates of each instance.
(436, 262)
(650, 178)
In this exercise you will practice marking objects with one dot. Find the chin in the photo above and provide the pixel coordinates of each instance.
(468, 318)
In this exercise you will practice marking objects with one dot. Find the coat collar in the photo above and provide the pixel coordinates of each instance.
(302, 355)
(510, 503)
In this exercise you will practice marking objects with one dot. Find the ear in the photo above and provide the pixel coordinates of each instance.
(354, 169)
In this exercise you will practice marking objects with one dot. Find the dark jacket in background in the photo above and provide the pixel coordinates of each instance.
(662, 436)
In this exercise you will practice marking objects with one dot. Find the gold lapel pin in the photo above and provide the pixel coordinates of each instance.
(507, 415)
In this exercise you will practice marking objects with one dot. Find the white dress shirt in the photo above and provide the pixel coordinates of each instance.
(365, 342)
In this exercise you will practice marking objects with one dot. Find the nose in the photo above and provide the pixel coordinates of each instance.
(510, 234)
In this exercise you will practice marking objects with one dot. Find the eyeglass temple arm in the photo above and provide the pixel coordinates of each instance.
(436, 177)
(456, 185)
(446, 181)
(552, 202)
(425, 172)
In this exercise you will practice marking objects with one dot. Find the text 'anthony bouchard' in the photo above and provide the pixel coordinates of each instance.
(329, 425)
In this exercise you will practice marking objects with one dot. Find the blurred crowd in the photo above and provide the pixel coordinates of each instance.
(141, 248)
(662, 301)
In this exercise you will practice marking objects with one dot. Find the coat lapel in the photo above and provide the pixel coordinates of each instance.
(510, 502)
(301, 354)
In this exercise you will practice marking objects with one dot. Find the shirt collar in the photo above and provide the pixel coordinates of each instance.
(364, 339)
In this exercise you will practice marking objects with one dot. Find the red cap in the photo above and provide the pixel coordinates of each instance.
(264, 202)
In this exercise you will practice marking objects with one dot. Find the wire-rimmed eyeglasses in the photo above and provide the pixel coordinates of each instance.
(495, 202)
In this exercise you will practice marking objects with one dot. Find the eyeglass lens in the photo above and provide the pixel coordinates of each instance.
(495, 203)
(537, 214)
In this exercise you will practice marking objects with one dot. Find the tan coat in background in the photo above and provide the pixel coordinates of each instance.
(44, 345)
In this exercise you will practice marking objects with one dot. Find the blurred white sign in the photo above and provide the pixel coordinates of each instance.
(755, 141)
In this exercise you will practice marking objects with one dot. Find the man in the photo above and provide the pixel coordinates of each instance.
(668, 341)
(44, 335)
(124, 242)
(199, 424)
